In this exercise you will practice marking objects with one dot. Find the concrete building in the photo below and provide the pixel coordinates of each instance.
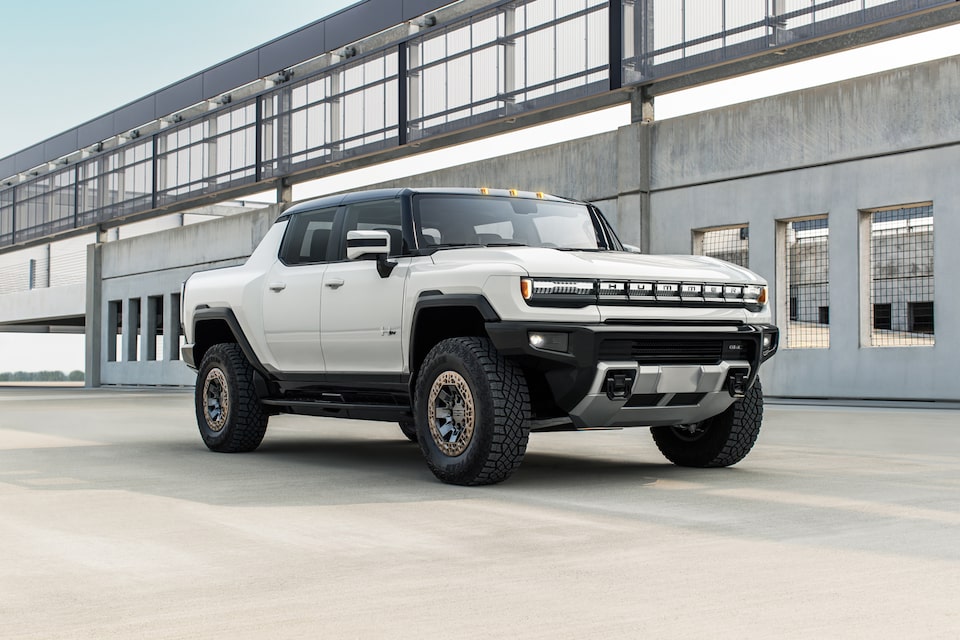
(841, 195)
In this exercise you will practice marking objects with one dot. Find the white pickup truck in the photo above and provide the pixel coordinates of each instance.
(472, 317)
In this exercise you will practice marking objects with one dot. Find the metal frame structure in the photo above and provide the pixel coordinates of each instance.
(492, 63)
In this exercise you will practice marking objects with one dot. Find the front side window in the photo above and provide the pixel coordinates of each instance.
(308, 238)
(378, 215)
(466, 220)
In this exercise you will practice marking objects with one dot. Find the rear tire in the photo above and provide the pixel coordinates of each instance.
(720, 441)
(473, 412)
(229, 414)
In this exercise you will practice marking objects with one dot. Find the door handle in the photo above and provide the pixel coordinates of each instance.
(277, 286)
(334, 283)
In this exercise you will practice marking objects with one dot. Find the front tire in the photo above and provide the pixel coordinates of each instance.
(229, 414)
(720, 441)
(473, 412)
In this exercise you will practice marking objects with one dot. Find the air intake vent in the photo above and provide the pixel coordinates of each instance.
(666, 350)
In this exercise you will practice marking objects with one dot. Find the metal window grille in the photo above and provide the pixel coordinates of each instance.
(45, 205)
(348, 110)
(807, 278)
(901, 277)
(666, 37)
(524, 55)
(6, 217)
(207, 155)
(116, 183)
(724, 243)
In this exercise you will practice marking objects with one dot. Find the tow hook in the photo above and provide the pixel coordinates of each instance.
(737, 383)
(619, 384)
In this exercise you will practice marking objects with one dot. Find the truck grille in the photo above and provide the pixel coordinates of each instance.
(663, 350)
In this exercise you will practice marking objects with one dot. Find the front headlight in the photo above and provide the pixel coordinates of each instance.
(755, 294)
(577, 292)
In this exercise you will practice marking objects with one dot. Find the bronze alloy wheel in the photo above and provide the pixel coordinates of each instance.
(217, 400)
(451, 413)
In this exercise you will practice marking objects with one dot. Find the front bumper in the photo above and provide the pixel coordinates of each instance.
(642, 375)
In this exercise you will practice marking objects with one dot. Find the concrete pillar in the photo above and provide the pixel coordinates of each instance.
(131, 320)
(284, 194)
(108, 235)
(148, 324)
(93, 327)
(171, 326)
(634, 156)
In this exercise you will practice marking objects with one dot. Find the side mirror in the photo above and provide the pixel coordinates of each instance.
(362, 244)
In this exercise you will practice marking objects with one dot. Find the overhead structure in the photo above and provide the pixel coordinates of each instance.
(387, 78)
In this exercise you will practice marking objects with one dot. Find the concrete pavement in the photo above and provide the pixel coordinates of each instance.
(115, 521)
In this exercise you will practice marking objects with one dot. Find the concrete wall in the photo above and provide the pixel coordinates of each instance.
(873, 142)
(153, 266)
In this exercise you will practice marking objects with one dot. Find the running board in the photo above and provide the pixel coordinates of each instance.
(325, 408)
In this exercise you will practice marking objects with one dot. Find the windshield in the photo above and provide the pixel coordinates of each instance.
(445, 220)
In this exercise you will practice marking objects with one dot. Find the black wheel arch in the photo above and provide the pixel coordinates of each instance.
(219, 325)
(437, 317)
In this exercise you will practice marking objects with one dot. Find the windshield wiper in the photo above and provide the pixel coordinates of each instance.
(579, 249)
(506, 244)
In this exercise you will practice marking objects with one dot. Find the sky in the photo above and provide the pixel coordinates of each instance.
(68, 62)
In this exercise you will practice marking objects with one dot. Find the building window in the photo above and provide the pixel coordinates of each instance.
(725, 243)
(897, 249)
(881, 316)
(114, 329)
(921, 317)
(803, 248)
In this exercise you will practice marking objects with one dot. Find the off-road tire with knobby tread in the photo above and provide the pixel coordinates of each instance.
(501, 420)
(409, 429)
(246, 421)
(720, 441)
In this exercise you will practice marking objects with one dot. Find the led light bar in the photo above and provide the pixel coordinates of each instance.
(565, 292)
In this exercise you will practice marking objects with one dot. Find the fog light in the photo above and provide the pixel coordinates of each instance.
(549, 341)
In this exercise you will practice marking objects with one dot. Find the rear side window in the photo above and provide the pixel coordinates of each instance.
(309, 237)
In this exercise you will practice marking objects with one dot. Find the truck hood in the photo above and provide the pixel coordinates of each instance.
(617, 265)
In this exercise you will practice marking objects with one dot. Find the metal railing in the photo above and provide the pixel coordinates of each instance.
(507, 58)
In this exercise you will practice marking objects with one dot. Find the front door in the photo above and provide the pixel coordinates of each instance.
(360, 312)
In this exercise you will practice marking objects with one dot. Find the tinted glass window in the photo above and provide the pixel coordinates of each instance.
(308, 238)
(453, 220)
(382, 215)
